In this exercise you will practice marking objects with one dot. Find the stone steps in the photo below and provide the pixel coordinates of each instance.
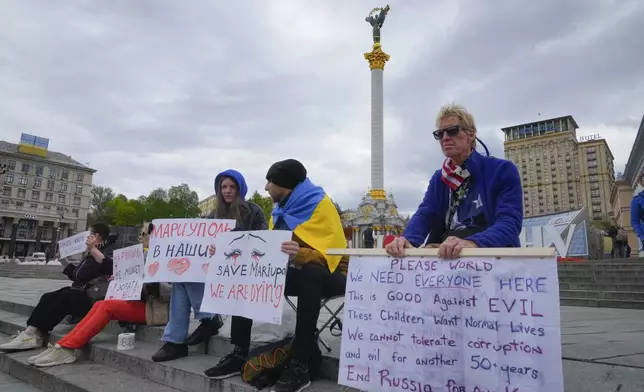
(185, 374)
(607, 295)
(602, 287)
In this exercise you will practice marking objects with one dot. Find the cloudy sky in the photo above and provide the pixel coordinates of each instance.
(154, 93)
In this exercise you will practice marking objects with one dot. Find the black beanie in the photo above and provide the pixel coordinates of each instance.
(287, 174)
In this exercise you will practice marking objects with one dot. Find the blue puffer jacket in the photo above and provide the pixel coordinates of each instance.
(637, 215)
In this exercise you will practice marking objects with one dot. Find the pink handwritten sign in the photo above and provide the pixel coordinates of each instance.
(179, 248)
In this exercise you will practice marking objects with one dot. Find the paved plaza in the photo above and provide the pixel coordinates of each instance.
(603, 349)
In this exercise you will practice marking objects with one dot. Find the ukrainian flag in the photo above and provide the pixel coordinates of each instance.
(312, 216)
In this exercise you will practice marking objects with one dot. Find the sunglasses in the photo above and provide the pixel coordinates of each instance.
(450, 131)
(143, 234)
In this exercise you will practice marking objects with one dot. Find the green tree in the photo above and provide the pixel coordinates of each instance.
(99, 199)
(183, 202)
(177, 202)
(264, 202)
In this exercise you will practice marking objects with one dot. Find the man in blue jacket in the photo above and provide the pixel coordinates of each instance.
(637, 215)
(474, 201)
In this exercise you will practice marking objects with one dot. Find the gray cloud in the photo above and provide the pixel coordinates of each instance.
(155, 93)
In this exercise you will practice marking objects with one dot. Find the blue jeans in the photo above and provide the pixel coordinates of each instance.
(184, 296)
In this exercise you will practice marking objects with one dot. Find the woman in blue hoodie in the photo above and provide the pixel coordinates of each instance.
(231, 189)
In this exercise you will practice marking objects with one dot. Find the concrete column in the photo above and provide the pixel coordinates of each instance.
(12, 242)
(38, 235)
(377, 130)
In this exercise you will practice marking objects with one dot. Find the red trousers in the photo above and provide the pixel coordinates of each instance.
(97, 318)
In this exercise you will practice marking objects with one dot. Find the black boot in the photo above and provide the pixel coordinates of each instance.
(228, 366)
(170, 351)
(295, 378)
(207, 327)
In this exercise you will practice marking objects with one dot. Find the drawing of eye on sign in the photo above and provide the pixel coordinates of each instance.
(247, 275)
(178, 249)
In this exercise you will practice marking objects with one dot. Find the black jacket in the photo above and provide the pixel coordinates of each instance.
(89, 269)
(253, 218)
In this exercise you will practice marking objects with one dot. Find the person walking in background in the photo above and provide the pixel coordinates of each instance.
(473, 201)
(230, 189)
(637, 215)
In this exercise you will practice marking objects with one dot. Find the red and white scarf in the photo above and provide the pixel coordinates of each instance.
(452, 175)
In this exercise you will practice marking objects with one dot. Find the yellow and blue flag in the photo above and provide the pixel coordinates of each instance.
(312, 216)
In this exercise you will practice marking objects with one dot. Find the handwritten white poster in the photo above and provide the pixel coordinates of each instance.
(178, 249)
(247, 275)
(73, 245)
(127, 279)
(471, 325)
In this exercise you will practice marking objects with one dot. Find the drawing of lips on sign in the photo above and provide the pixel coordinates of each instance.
(205, 267)
(179, 266)
(153, 268)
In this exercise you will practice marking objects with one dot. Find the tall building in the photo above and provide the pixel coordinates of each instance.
(558, 172)
(208, 204)
(44, 196)
(627, 187)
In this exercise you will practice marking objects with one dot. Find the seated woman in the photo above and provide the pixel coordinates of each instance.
(230, 188)
(102, 312)
(474, 201)
(53, 307)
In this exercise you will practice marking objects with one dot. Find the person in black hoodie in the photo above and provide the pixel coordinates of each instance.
(54, 306)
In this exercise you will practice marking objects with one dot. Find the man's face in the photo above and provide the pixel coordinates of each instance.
(276, 192)
(457, 145)
(228, 190)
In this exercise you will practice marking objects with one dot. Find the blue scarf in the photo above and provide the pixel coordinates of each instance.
(300, 205)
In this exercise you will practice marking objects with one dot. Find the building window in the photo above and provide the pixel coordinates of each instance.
(47, 207)
(40, 170)
(79, 189)
(37, 182)
(53, 173)
(11, 165)
(593, 178)
(19, 205)
(61, 199)
(23, 180)
(80, 177)
(34, 206)
(77, 200)
(35, 195)
(592, 170)
(64, 175)
(49, 197)
(22, 193)
(63, 187)
(8, 178)
(51, 184)
(5, 203)
(26, 168)
(75, 212)
(6, 191)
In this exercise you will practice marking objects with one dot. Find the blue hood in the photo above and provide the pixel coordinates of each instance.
(237, 177)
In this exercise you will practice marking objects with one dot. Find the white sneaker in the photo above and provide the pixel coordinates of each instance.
(32, 360)
(57, 356)
(22, 342)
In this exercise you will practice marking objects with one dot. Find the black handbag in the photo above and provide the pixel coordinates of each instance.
(97, 288)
